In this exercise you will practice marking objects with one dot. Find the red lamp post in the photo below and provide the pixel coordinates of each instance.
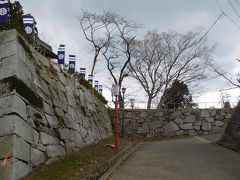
(115, 92)
(132, 101)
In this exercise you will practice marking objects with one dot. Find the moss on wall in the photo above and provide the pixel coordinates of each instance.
(83, 110)
(24, 45)
(23, 90)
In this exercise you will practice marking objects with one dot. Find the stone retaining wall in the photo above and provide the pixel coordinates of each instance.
(174, 122)
(44, 113)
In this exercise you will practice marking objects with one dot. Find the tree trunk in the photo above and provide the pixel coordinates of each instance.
(94, 62)
(162, 100)
(231, 136)
(120, 100)
(121, 108)
(149, 103)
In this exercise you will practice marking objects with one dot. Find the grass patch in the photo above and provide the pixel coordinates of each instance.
(79, 164)
(84, 82)
(100, 96)
(87, 85)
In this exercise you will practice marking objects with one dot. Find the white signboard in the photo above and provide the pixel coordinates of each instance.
(132, 101)
(115, 89)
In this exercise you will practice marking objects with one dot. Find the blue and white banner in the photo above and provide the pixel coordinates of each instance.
(4, 12)
(61, 54)
(96, 85)
(100, 89)
(28, 23)
(90, 79)
(72, 61)
(83, 72)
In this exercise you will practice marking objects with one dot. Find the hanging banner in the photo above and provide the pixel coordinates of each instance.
(83, 72)
(96, 85)
(100, 89)
(28, 23)
(72, 61)
(61, 54)
(90, 79)
(4, 12)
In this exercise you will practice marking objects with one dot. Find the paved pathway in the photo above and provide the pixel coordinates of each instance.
(182, 159)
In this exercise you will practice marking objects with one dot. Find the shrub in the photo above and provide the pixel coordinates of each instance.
(86, 84)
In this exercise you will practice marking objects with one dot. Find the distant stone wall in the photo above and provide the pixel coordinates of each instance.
(44, 113)
(174, 122)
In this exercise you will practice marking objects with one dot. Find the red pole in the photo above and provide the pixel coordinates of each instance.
(116, 136)
(5, 163)
(132, 125)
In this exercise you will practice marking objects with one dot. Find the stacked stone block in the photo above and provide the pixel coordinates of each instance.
(175, 122)
(44, 112)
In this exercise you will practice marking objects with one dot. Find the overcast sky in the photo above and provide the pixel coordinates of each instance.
(57, 20)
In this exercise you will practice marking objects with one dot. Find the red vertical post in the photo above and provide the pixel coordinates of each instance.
(132, 105)
(5, 165)
(116, 136)
(132, 125)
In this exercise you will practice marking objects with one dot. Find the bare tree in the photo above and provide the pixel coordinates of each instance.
(186, 58)
(167, 57)
(118, 50)
(97, 30)
(146, 69)
(112, 37)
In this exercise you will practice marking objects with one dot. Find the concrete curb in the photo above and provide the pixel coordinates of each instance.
(119, 161)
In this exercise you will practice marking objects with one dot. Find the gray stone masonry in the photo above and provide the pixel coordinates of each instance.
(44, 112)
(231, 135)
(175, 122)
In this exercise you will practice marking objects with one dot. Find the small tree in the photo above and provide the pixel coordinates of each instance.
(16, 19)
(178, 95)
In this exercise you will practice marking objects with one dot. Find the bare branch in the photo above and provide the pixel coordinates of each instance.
(160, 59)
(118, 50)
(97, 29)
(222, 74)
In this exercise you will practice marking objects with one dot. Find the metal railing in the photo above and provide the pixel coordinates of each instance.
(200, 105)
